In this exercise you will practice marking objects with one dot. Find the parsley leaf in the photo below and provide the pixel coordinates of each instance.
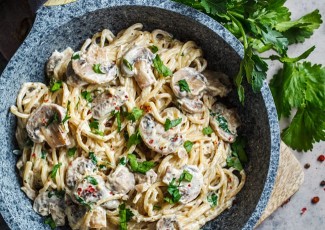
(213, 200)
(188, 146)
(91, 180)
(185, 176)
(125, 215)
(76, 56)
(97, 69)
(122, 161)
(207, 130)
(183, 86)
(128, 64)
(172, 123)
(118, 120)
(135, 114)
(72, 151)
(49, 221)
(43, 154)
(153, 49)
(87, 95)
(94, 126)
(238, 155)
(160, 67)
(83, 202)
(223, 123)
(54, 170)
(134, 139)
(174, 193)
(56, 86)
(140, 167)
(67, 117)
(93, 158)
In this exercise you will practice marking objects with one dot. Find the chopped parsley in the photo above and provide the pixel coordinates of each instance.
(153, 49)
(188, 146)
(140, 167)
(183, 86)
(135, 114)
(43, 154)
(238, 155)
(213, 200)
(128, 64)
(156, 207)
(207, 130)
(97, 69)
(223, 123)
(122, 161)
(93, 158)
(76, 56)
(54, 118)
(134, 139)
(172, 123)
(125, 215)
(185, 176)
(67, 117)
(49, 221)
(82, 201)
(91, 180)
(160, 67)
(87, 96)
(94, 126)
(72, 151)
(55, 86)
(118, 120)
(54, 170)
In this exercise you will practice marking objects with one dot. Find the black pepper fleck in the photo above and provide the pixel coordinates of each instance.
(307, 166)
(322, 183)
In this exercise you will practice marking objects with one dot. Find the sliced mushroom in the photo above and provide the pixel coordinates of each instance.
(144, 181)
(168, 223)
(49, 202)
(218, 83)
(188, 190)
(80, 167)
(104, 104)
(57, 63)
(191, 105)
(93, 65)
(98, 218)
(195, 80)
(156, 138)
(137, 62)
(121, 180)
(74, 212)
(224, 122)
(90, 190)
(45, 123)
(72, 78)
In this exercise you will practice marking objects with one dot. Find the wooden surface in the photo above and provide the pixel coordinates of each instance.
(289, 178)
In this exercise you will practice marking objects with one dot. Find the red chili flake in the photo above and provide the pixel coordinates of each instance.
(89, 112)
(321, 158)
(111, 193)
(79, 190)
(315, 200)
(46, 100)
(303, 210)
(189, 185)
(114, 103)
(117, 108)
(151, 141)
(90, 189)
(126, 96)
(33, 155)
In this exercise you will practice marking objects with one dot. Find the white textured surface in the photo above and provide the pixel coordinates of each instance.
(288, 217)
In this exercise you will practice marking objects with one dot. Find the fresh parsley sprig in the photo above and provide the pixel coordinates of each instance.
(266, 25)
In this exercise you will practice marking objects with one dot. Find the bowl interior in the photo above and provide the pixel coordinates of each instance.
(28, 65)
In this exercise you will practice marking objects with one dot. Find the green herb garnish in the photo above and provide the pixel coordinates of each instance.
(43, 154)
(67, 117)
(140, 167)
(185, 176)
(56, 86)
(54, 170)
(188, 146)
(72, 151)
(153, 49)
(97, 69)
(174, 193)
(87, 96)
(183, 86)
(223, 123)
(83, 202)
(91, 180)
(128, 64)
(122, 161)
(213, 200)
(160, 67)
(125, 215)
(172, 123)
(49, 221)
(134, 139)
(135, 114)
(207, 130)
(93, 158)
(75, 56)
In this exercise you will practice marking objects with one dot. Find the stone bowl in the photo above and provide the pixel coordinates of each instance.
(69, 25)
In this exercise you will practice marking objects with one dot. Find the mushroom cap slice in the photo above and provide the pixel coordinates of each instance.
(224, 122)
(94, 67)
(156, 138)
(72, 78)
(121, 180)
(218, 83)
(188, 190)
(195, 80)
(104, 104)
(45, 123)
(191, 105)
(168, 223)
(144, 75)
(133, 55)
(79, 167)
(98, 218)
(74, 212)
(57, 63)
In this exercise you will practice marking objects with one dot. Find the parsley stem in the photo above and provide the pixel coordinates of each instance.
(240, 26)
